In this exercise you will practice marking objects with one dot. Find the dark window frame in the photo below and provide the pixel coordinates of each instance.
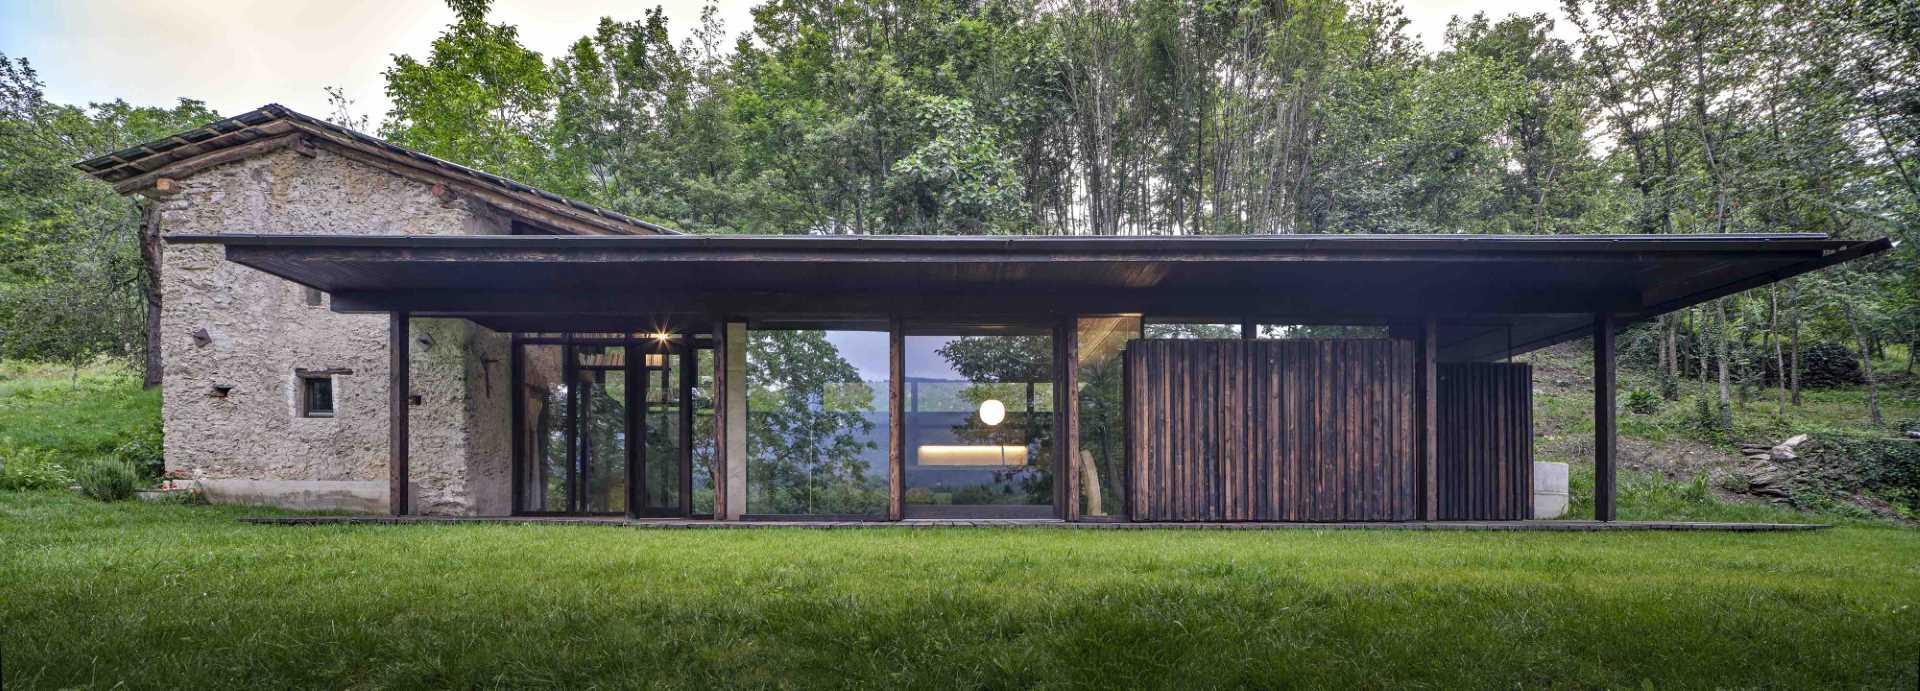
(305, 396)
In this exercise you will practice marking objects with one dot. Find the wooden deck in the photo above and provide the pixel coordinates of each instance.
(673, 523)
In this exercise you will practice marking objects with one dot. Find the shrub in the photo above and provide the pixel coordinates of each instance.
(1825, 365)
(144, 451)
(1643, 402)
(108, 479)
(27, 468)
(1706, 419)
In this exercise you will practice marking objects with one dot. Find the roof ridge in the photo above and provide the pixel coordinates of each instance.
(122, 164)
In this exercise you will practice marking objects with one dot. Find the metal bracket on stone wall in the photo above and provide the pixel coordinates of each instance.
(201, 337)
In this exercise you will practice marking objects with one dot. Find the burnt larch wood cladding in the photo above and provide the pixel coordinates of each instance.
(1486, 441)
(1282, 430)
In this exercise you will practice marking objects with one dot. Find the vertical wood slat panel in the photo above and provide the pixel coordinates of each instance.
(1485, 430)
(1244, 430)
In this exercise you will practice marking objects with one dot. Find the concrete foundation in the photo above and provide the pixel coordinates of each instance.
(312, 495)
(1549, 490)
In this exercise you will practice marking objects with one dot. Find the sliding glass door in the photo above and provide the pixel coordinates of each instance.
(604, 426)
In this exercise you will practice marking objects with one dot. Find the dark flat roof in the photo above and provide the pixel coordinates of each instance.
(1494, 295)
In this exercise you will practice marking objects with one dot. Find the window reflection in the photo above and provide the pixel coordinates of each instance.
(817, 422)
(1191, 328)
(1103, 472)
(979, 425)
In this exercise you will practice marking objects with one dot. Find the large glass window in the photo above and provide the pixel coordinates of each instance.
(979, 422)
(1103, 472)
(543, 434)
(703, 433)
(660, 486)
(600, 388)
(1267, 330)
(609, 423)
(817, 421)
(1191, 328)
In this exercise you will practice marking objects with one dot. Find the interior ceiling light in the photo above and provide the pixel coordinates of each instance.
(992, 411)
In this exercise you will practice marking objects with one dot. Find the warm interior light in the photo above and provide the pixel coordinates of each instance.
(961, 455)
(992, 411)
(662, 336)
(656, 360)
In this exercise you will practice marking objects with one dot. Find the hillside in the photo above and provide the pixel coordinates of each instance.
(1674, 466)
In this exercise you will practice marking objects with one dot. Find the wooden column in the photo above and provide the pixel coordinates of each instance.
(399, 389)
(1427, 388)
(634, 401)
(1066, 414)
(720, 381)
(896, 419)
(1604, 423)
(516, 398)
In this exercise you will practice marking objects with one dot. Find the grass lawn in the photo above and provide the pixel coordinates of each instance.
(103, 595)
(77, 413)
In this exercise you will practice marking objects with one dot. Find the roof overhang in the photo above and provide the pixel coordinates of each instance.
(1494, 296)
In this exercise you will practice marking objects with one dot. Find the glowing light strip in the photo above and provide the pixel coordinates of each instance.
(958, 455)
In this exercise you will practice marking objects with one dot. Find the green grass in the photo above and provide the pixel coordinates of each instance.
(77, 413)
(103, 595)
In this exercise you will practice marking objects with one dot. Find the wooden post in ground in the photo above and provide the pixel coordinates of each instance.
(399, 386)
(1604, 423)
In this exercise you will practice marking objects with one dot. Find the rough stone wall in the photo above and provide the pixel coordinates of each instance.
(259, 329)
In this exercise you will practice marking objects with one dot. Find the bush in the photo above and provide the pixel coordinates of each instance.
(108, 479)
(1826, 365)
(27, 468)
(1706, 420)
(144, 451)
(1643, 402)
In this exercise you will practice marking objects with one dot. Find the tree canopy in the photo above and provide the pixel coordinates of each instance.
(1109, 117)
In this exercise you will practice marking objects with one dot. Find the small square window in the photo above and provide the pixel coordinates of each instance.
(314, 297)
(316, 396)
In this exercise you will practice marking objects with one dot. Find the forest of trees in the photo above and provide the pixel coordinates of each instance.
(1101, 117)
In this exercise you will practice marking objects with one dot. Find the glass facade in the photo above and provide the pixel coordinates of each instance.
(979, 422)
(544, 435)
(584, 398)
(600, 409)
(817, 421)
(1320, 331)
(1102, 467)
(1190, 328)
(977, 432)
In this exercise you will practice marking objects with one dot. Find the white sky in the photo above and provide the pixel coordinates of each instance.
(241, 54)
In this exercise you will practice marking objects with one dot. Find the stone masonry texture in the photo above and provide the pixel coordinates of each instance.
(261, 329)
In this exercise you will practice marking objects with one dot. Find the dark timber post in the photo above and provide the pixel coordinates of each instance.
(1428, 386)
(720, 422)
(1604, 446)
(896, 419)
(633, 362)
(399, 387)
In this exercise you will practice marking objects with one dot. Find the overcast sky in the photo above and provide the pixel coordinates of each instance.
(240, 54)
